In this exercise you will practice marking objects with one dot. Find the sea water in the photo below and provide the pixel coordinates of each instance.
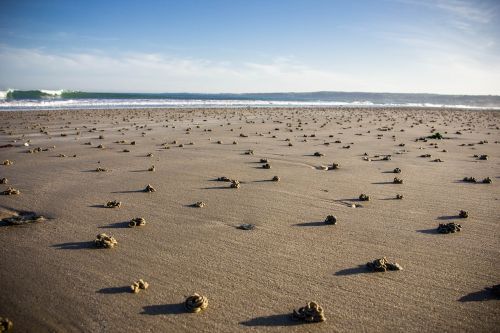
(64, 99)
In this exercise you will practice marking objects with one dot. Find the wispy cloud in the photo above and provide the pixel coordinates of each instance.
(466, 16)
(475, 11)
(439, 71)
(35, 68)
(457, 46)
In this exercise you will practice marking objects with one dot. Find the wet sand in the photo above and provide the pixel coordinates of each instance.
(55, 279)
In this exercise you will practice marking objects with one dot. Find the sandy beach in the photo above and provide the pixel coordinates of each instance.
(55, 279)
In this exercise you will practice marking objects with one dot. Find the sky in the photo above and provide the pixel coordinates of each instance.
(411, 46)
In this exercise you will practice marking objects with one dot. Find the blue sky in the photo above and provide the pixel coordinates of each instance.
(441, 46)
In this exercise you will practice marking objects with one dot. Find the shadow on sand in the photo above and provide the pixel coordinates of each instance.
(131, 191)
(273, 320)
(448, 217)
(114, 290)
(432, 231)
(75, 245)
(164, 309)
(117, 225)
(98, 206)
(360, 269)
(311, 224)
(478, 296)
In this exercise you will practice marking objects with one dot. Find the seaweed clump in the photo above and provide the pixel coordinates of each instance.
(138, 285)
(330, 219)
(113, 204)
(6, 324)
(397, 180)
(23, 218)
(311, 313)
(486, 180)
(196, 303)
(447, 228)
(246, 226)
(149, 189)
(383, 265)
(137, 222)
(436, 136)
(105, 241)
(364, 197)
(10, 191)
(463, 214)
(334, 166)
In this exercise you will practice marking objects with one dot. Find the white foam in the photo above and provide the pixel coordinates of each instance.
(3, 94)
(184, 103)
(52, 92)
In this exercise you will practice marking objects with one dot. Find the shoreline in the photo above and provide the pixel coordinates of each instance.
(270, 108)
(266, 107)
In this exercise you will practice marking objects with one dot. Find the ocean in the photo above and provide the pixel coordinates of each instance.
(28, 100)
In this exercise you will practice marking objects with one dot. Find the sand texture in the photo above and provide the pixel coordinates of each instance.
(55, 278)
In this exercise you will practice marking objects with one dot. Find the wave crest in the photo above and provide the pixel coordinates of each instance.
(31, 94)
